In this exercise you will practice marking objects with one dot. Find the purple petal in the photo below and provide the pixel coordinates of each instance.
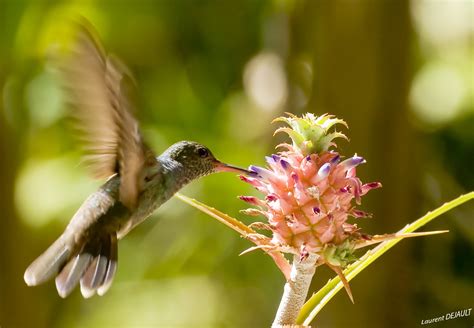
(284, 164)
(335, 159)
(276, 158)
(261, 172)
(270, 160)
(324, 170)
(352, 162)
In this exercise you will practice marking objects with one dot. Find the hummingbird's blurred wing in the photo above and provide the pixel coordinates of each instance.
(97, 87)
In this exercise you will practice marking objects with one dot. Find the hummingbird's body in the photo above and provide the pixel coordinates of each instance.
(166, 177)
(164, 181)
(138, 181)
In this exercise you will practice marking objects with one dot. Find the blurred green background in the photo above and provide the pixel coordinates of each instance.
(399, 72)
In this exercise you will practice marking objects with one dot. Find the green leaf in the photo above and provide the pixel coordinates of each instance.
(316, 302)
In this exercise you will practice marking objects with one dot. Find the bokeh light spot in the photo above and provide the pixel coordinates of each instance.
(437, 93)
(50, 190)
(44, 101)
(265, 81)
(440, 22)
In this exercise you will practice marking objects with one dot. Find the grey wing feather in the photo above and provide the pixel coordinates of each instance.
(96, 86)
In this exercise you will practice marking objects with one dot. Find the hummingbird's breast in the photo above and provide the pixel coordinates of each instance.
(103, 210)
(156, 192)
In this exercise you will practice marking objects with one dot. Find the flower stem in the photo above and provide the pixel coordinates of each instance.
(295, 290)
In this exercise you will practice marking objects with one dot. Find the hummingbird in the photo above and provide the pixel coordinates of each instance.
(138, 182)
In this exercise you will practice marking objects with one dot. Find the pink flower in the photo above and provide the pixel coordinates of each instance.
(310, 192)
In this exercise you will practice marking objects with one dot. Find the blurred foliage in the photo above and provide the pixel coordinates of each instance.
(400, 74)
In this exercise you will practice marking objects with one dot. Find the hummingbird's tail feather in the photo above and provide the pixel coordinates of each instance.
(100, 273)
(111, 266)
(71, 273)
(92, 262)
(48, 264)
(93, 267)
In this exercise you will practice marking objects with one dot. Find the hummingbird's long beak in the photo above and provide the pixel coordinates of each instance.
(222, 167)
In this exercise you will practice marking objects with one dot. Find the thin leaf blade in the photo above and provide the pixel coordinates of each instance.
(244, 230)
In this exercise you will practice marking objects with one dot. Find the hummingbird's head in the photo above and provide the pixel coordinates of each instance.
(197, 160)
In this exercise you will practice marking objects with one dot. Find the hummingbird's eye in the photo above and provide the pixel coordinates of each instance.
(203, 152)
